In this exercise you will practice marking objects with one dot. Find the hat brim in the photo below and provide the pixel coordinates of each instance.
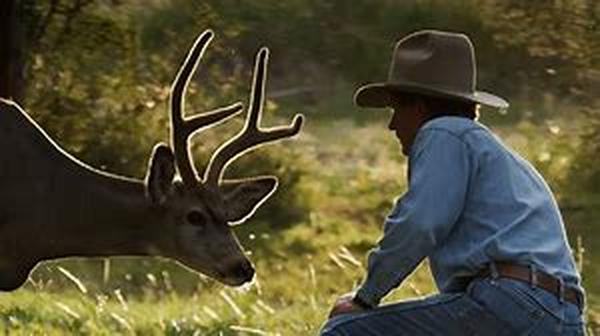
(379, 95)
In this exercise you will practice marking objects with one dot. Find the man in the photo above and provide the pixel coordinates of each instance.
(482, 215)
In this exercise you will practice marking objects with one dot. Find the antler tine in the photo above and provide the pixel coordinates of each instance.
(182, 127)
(251, 135)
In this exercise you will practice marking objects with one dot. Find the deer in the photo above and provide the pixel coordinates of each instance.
(54, 206)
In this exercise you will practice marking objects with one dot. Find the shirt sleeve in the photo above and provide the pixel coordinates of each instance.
(424, 216)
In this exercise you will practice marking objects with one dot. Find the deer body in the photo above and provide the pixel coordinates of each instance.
(52, 190)
(53, 206)
(58, 207)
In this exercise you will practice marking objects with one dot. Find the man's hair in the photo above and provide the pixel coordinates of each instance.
(439, 107)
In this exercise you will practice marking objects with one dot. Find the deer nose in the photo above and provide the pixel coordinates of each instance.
(244, 272)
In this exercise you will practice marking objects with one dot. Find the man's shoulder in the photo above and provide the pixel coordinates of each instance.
(456, 126)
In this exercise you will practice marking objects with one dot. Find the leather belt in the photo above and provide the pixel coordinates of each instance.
(535, 278)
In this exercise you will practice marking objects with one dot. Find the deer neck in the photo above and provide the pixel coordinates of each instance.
(108, 216)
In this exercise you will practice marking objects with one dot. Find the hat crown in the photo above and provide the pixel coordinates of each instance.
(430, 63)
(434, 59)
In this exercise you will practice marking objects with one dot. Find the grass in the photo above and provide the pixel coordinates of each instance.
(300, 270)
(291, 295)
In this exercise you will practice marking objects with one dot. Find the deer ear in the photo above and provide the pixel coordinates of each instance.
(243, 197)
(161, 171)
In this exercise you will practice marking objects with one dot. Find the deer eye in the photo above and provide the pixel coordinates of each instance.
(196, 218)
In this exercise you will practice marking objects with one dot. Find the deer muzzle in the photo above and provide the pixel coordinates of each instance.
(239, 274)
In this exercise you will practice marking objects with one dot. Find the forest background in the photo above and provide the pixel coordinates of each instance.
(96, 74)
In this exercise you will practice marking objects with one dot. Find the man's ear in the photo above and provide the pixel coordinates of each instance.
(243, 197)
(161, 171)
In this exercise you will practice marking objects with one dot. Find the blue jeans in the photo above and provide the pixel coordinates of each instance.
(488, 307)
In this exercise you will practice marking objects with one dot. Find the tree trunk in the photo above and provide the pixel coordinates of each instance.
(12, 46)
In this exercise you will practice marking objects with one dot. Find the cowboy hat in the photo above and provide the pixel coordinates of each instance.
(432, 63)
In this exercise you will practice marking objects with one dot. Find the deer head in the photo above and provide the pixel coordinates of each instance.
(201, 210)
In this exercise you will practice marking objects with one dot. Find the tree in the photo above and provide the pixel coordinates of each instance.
(12, 50)
(562, 37)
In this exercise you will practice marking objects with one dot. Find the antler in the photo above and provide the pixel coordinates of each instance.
(182, 127)
(251, 135)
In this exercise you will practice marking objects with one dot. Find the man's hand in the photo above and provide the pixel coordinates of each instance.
(344, 305)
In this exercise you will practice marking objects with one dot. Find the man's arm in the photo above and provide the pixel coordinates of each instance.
(424, 216)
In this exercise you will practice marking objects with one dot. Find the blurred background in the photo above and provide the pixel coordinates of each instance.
(95, 74)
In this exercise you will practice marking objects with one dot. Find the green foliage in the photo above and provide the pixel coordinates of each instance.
(561, 37)
(585, 175)
(562, 40)
(82, 85)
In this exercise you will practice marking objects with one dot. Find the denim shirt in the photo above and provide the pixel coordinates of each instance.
(470, 201)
